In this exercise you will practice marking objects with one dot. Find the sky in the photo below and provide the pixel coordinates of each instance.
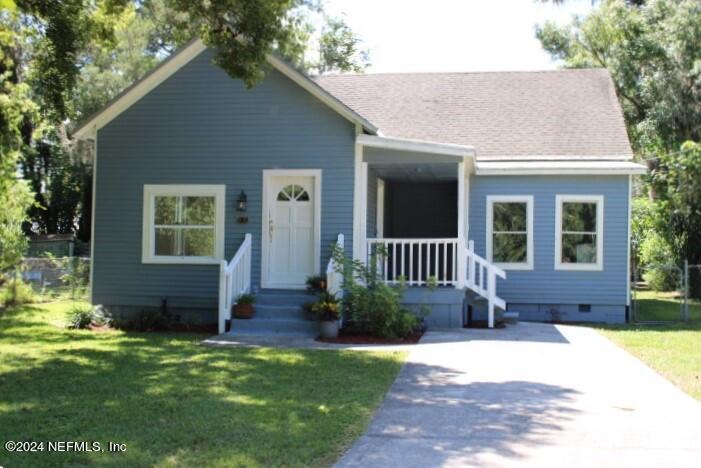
(453, 35)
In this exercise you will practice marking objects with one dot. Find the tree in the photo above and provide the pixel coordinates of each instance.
(652, 52)
(677, 184)
(339, 48)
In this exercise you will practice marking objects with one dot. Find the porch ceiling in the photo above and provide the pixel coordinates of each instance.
(435, 172)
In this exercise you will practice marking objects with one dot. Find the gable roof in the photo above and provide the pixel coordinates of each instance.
(563, 114)
(181, 58)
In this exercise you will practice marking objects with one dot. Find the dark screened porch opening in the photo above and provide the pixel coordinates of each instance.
(417, 224)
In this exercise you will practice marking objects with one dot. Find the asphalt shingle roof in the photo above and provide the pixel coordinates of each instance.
(509, 115)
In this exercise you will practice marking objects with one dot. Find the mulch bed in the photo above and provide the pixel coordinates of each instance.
(344, 338)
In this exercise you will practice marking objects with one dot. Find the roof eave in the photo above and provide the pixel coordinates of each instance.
(418, 146)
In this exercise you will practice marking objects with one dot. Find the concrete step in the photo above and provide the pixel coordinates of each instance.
(510, 317)
(282, 297)
(280, 312)
(285, 327)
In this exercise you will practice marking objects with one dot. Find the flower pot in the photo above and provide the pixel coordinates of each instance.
(243, 311)
(328, 328)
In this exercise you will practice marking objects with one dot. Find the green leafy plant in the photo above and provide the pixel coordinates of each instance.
(370, 305)
(16, 292)
(316, 284)
(80, 317)
(245, 299)
(327, 307)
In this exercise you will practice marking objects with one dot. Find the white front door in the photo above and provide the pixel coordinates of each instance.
(291, 229)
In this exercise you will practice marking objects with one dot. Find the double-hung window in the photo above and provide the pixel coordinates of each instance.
(579, 224)
(183, 223)
(510, 231)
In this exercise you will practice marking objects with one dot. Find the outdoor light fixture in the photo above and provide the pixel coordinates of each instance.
(242, 202)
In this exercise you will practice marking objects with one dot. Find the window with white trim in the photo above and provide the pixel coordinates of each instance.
(579, 222)
(183, 223)
(510, 231)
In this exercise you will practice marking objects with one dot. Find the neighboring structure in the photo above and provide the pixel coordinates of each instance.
(510, 182)
(57, 245)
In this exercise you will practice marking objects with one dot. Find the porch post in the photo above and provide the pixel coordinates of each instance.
(461, 226)
(360, 188)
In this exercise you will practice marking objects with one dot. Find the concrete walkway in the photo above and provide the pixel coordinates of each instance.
(529, 395)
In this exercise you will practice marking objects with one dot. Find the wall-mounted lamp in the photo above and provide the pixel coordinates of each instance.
(242, 202)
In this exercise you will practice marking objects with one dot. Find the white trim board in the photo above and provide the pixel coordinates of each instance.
(528, 200)
(148, 241)
(418, 146)
(599, 200)
(264, 251)
(380, 209)
(184, 56)
(558, 168)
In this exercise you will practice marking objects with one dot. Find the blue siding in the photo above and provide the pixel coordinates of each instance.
(202, 127)
(544, 285)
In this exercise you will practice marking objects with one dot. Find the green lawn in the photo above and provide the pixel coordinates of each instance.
(661, 306)
(174, 402)
(674, 349)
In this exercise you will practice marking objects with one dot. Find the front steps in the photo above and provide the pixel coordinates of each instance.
(278, 312)
(479, 310)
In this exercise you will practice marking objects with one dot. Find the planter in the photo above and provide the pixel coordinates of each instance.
(328, 328)
(243, 311)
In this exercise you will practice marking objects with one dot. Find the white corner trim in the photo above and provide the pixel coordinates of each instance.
(599, 200)
(92, 224)
(528, 200)
(316, 174)
(141, 88)
(630, 212)
(181, 58)
(558, 168)
(358, 197)
(419, 146)
(148, 240)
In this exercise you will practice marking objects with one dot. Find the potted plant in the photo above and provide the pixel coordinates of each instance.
(243, 306)
(328, 310)
(316, 284)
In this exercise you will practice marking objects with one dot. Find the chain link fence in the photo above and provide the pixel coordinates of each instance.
(663, 294)
(50, 278)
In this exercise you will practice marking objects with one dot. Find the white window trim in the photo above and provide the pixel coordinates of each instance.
(148, 235)
(528, 200)
(599, 200)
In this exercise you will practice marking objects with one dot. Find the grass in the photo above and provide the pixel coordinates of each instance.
(664, 306)
(174, 402)
(672, 349)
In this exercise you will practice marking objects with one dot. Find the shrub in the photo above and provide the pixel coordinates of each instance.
(149, 320)
(80, 317)
(372, 306)
(655, 257)
(16, 293)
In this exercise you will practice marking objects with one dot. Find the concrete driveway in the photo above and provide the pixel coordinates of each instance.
(529, 395)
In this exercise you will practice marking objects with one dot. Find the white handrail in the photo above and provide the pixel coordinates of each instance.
(334, 278)
(482, 278)
(234, 279)
(416, 262)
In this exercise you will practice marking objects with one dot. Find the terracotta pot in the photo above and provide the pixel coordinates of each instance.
(243, 311)
(328, 328)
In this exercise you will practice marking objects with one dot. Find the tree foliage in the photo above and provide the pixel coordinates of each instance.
(652, 52)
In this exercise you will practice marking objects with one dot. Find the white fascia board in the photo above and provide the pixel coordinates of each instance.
(140, 89)
(557, 157)
(560, 168)
(179, 59)
(320, 93)
(418, 146)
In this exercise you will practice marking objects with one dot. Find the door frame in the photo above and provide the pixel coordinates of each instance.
(267, 175)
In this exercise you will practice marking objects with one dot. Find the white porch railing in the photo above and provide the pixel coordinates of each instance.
(334, 278)
(482, 279)
(234, 279)
(415, 261)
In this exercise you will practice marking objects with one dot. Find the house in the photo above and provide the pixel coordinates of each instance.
(511, 191)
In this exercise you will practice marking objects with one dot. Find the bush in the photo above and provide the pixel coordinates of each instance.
(16, 293)
(80, 317)
(655, 257)
(149, 320)
(373, 307)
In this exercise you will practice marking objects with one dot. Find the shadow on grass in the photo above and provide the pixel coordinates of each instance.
(172, 401)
